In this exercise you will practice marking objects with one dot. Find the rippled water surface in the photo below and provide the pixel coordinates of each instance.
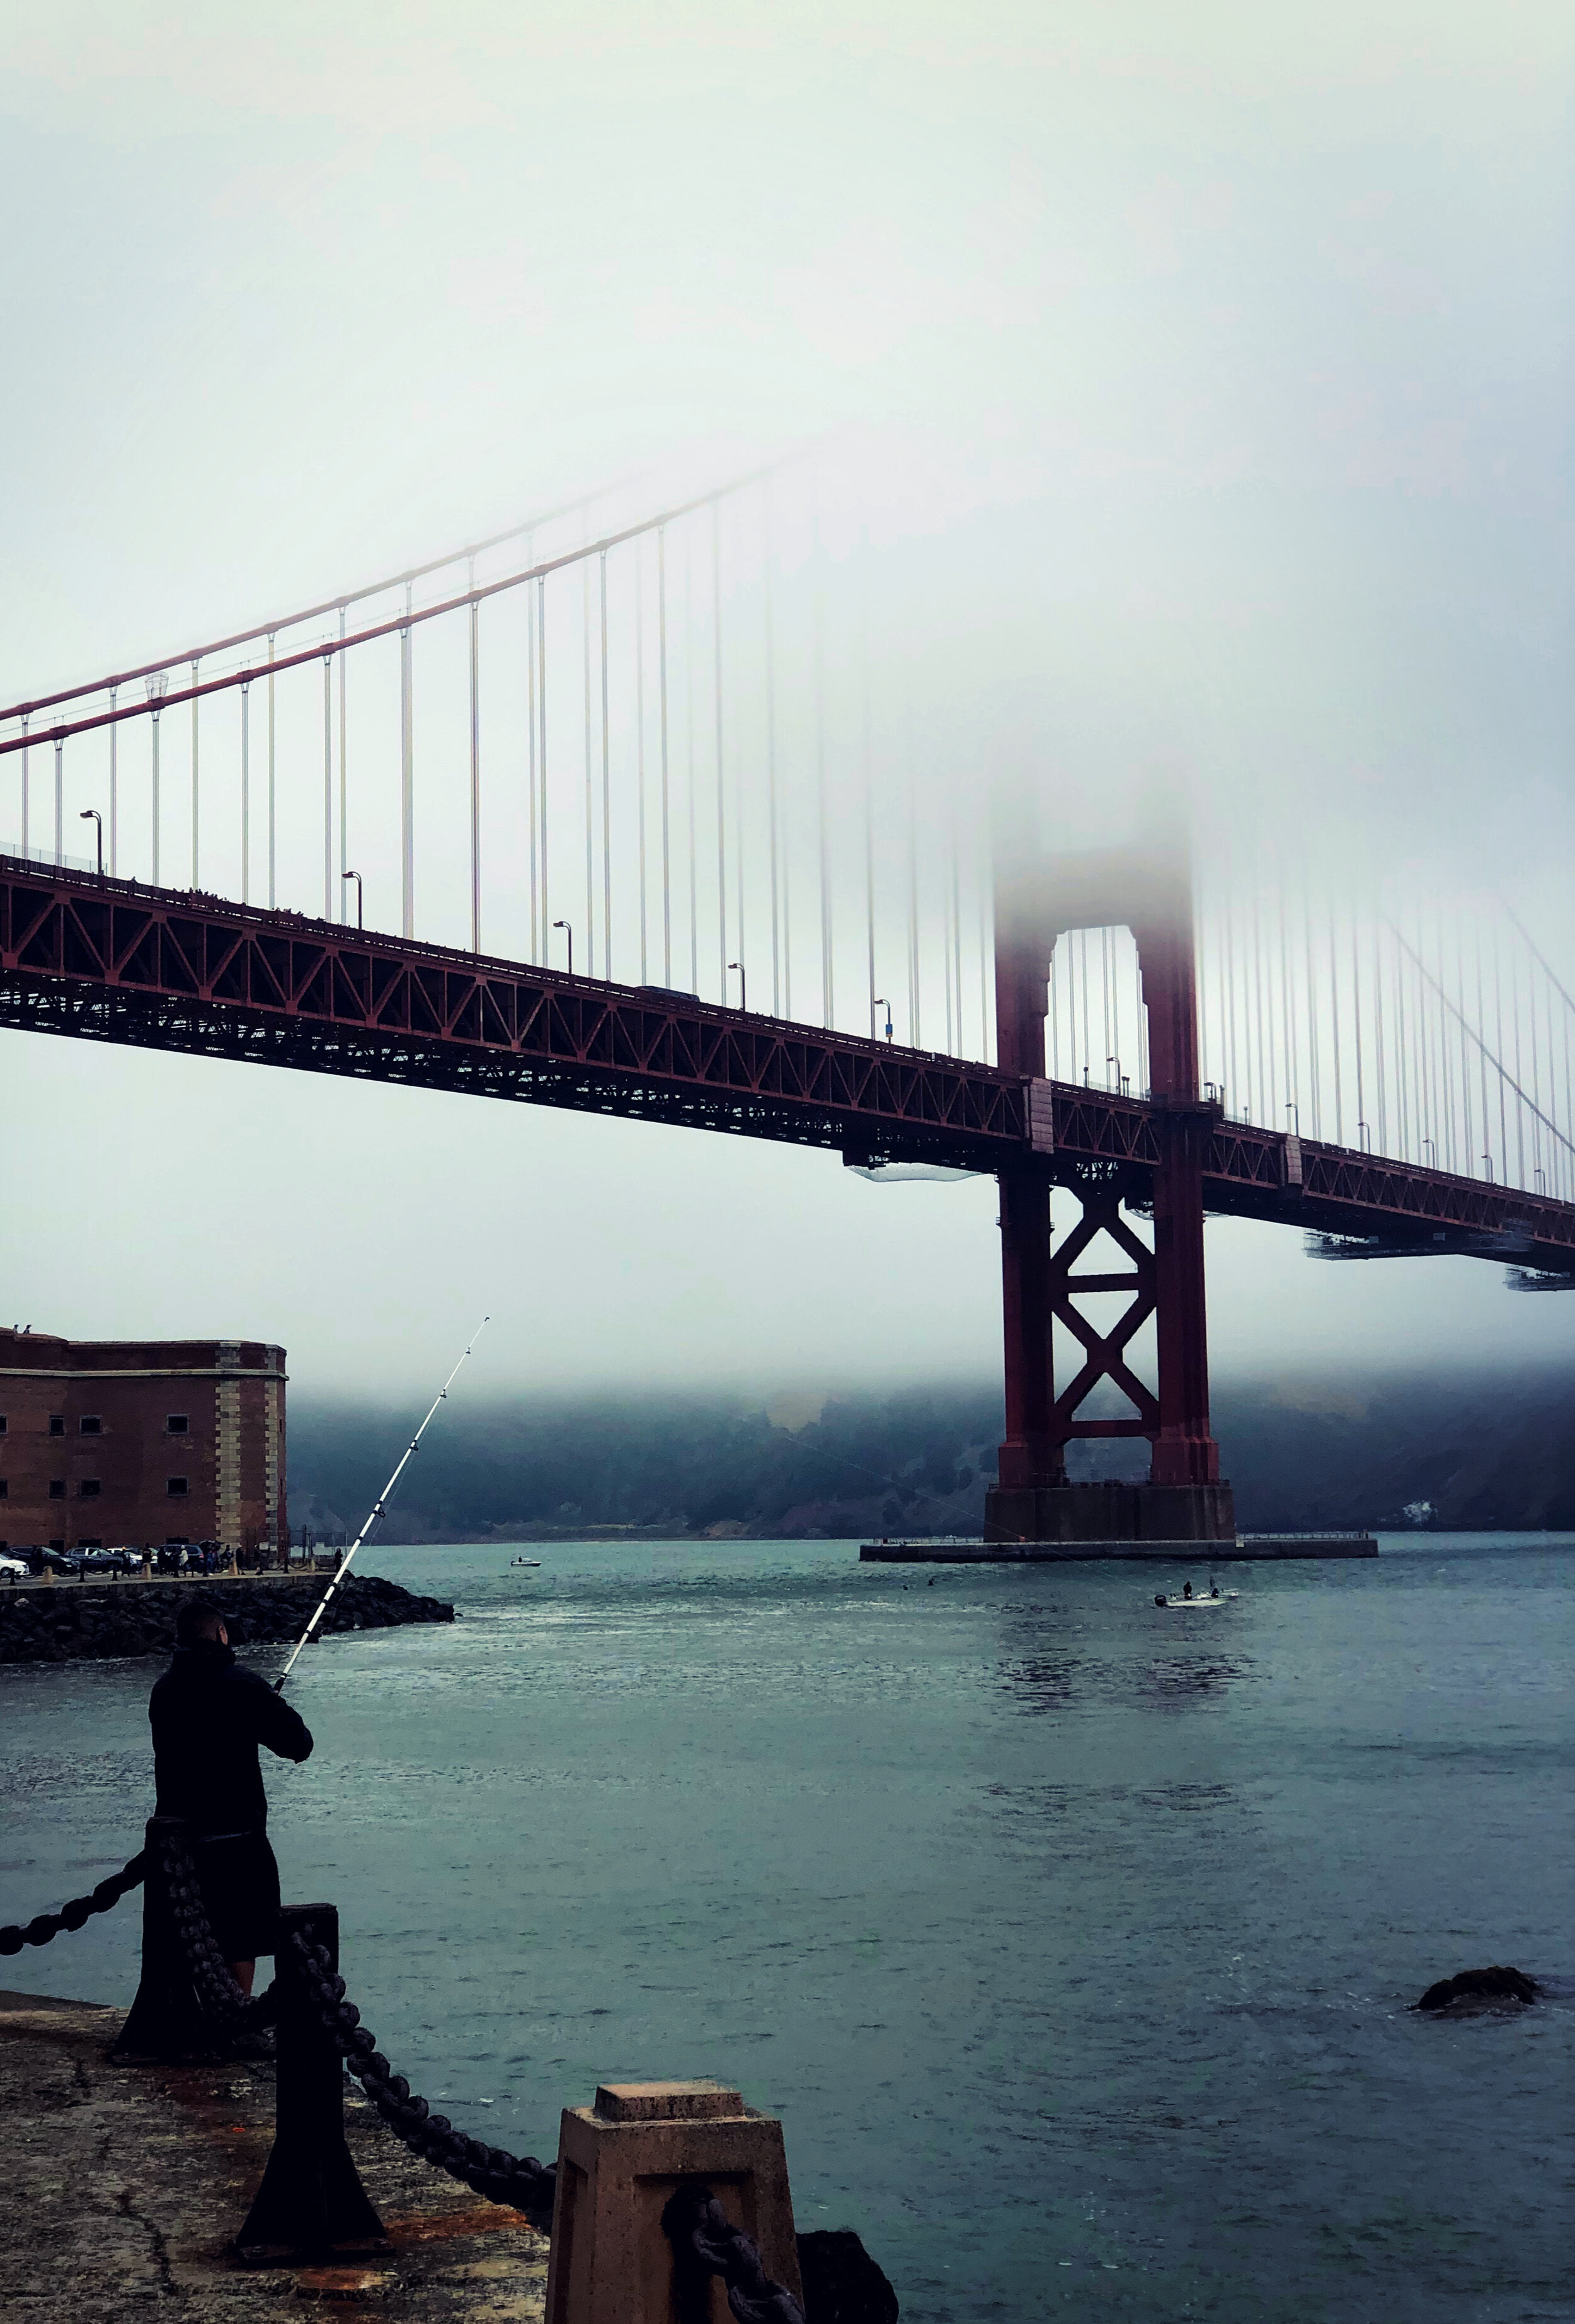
(1072, 1940)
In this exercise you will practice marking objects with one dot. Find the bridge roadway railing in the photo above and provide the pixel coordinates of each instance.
(113, 960)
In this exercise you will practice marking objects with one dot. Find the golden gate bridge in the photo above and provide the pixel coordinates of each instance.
(658, 761)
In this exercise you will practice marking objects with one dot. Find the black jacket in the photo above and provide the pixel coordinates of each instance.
(208, 1715)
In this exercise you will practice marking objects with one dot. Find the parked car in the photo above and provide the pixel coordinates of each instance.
(12, 1569)
(110, 1561)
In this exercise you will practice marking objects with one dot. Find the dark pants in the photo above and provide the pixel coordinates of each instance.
(239, 1878)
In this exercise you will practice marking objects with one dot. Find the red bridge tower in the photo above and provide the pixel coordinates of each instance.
(1185, 1500)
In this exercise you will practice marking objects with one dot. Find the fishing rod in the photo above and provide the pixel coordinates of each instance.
(378, 1506)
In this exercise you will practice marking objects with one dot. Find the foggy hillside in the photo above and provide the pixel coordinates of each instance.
(1486, 1451)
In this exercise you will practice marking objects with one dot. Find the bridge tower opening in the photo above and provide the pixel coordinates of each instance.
(1040, 902)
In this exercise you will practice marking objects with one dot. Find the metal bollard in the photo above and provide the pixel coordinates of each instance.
(166, 2018)
(311, 2203)
(621, 2163)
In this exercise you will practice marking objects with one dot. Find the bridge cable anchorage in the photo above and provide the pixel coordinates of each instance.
(705, 2243)
(377, 1510)
(45, 1927)
(518, 2180)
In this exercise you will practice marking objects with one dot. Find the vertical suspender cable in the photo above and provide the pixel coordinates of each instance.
(245, 790)
(25, 786)
(606, 781)
(1356, 1018)
(59, 799)
(771, 834)
(722, 944)
(590, 767)
(914, 1034)
(689, 761)
(475, 768)
(272, 782)
(667, 822)
(1313, 1060)
(343, 763)
(1498, 1058)
(867, 773)
(1231, 987)
(1334, 1028)
(531, 810)
(113, 790)
(541, 749)
(407, 780)
(328, 787)
(957, 922)
(156, 800)
(1379, 1060)
(1519, 1070)
(639, 749)
(1486, 1153)
(820, 796)
(194, 778)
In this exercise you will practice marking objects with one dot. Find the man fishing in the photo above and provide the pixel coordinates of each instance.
(208, 1714)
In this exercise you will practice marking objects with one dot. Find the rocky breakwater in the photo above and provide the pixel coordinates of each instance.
(64, 1622)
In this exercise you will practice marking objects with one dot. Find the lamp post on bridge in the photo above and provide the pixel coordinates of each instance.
(98, 833)
(886, 1006)
(744, 985)
(568, 932)
(359, 898)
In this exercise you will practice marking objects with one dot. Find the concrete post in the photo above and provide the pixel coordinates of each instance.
(619, 2164)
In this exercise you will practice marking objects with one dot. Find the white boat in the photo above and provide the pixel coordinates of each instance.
(1210, 1597)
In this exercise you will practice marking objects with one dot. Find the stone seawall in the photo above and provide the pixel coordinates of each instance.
(64, 1622)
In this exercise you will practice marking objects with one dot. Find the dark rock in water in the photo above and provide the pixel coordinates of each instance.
(67, 1624)
(1481, 1985)
(842, 2283)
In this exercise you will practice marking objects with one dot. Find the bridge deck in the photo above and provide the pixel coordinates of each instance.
(154, 968)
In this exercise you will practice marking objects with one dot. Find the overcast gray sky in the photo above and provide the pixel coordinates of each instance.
(1238, 339)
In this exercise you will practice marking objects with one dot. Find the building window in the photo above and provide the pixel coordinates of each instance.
(89, 1540)
(176, 1487)
(4, 1488)
(87, 1490)
(1, 1424)
(178, 1423)
(56, 1423)
(90, 1425)
(57, 1489)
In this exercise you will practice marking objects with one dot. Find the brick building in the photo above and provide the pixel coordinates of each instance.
(145, 1442)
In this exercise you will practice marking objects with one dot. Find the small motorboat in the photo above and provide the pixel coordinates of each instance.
(1213, 1596)
(525, 1561)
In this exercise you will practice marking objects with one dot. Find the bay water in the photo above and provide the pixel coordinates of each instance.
(1074, 1940)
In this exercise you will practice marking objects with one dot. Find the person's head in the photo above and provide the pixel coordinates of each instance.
(200, 1624)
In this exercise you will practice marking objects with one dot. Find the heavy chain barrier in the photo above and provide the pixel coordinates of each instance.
(517, 2180)
(222, 1998)
(46, 1926)
(703, 2236)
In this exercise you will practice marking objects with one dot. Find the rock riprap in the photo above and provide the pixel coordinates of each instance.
(64, 1623)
